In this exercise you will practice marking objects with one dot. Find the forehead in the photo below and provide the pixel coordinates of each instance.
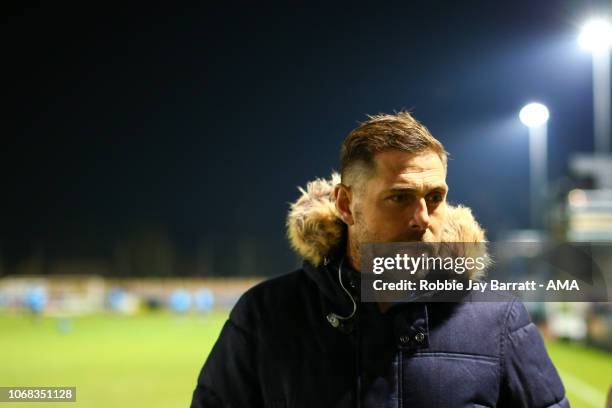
(395, 168)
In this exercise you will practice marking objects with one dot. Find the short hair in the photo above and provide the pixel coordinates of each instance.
(382, 132)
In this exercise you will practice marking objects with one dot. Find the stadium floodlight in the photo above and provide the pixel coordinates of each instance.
(596, 36)
(534, 115)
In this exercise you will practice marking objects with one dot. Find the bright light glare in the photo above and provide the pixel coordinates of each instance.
(577, 198)
(596, 36)
(534, 114)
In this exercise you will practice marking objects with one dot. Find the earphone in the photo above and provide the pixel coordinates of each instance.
(333, 318)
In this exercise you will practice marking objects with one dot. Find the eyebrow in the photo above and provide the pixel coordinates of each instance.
(412, 190)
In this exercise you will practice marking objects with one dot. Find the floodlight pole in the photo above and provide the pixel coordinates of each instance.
(538, 177)
(601, 100)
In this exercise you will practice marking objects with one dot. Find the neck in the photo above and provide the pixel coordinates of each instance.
(352, 254)
(353, 258)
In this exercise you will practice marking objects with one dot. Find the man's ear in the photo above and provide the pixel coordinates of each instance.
(344, 197)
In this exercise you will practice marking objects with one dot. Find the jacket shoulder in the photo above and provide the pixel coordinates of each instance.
(272, 299)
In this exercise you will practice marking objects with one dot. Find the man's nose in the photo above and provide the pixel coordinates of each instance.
(420, 216)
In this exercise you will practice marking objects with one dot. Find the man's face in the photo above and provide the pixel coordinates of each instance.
(405, 200)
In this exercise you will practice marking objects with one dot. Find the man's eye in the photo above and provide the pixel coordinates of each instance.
(435, 198)
(399, 198)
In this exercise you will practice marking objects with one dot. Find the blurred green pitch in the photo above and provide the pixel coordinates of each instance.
(152, 360)
(148, 360)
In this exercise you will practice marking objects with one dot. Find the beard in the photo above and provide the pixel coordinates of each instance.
(364, 235)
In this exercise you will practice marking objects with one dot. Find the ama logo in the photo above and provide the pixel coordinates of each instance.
(562, 285)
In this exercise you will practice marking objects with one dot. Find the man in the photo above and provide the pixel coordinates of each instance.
(305, 340)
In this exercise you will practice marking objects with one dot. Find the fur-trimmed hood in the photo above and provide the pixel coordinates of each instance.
(315, 230)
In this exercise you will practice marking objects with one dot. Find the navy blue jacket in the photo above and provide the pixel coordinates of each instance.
(278, 349)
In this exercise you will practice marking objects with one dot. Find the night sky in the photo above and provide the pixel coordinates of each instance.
(202, 120)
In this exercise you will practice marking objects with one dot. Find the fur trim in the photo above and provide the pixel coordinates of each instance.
(314, 228)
